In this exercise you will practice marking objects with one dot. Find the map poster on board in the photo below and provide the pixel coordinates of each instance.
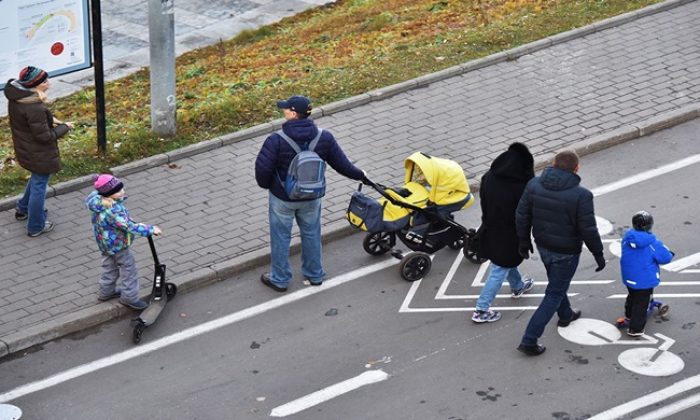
(53, 35)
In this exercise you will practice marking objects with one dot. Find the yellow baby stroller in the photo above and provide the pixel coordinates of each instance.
(419, 214)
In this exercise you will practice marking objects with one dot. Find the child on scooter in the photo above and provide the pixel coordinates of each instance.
(114, 231)
(642, 253)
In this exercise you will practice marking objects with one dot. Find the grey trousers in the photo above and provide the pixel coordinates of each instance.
(121, 264)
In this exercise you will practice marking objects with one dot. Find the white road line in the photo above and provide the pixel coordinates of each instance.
(644, 176)
(529, 295)
(649, 399)
(466, 309)
(191, 332)
(681, 263)
(672, 409)
(325, 394)
(409, 296)
(661, 295)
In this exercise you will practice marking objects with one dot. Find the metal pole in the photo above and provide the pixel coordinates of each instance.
(99, 77)
(161, 30)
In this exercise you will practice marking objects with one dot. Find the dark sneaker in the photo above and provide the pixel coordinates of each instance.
(114, 295)
(48, 227)
(528, 284)
(138, 304)
(486, 316)
(20, 216)
(314, 283)
(564, 324)
(267, 281)
(633, 333)
(535, 350)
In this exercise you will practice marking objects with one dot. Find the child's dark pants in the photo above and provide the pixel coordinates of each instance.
(636, 307)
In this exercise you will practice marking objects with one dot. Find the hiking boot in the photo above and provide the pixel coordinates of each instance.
(633, 333)
(535, 350)
(114, 295)
(574, 317)
(48, 227)
(528, 284)
(137, 304)
(267, 281)
(486, 316)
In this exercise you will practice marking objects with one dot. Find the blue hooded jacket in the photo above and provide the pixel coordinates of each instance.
(641, 255)
(275, 156)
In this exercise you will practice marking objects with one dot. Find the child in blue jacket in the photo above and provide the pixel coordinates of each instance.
(642, 253)
(114, 231)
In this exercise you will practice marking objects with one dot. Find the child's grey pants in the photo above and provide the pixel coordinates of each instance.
(112, 265)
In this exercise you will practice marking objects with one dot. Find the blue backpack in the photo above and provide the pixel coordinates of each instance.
(306, 176)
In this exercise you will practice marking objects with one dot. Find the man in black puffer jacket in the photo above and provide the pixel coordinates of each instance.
(271, 168)
(560, 214)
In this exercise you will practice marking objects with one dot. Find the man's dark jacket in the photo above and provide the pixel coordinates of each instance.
(499, 194)
(33, 133)
(276, 154)
(560, 213)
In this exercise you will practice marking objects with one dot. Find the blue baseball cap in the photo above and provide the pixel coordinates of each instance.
(299, 104)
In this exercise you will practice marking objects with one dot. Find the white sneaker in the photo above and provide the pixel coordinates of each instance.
(486, 316)
(528, 284)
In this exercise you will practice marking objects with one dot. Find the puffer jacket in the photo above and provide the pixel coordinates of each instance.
(499, 193)
(113, 228)
(33, 133)
(642, 253)
(276, 154)
(559, 212)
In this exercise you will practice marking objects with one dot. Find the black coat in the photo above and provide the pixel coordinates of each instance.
(559, 212)
(499, 193)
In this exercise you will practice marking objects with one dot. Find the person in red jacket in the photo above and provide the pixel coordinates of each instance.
(35, 134)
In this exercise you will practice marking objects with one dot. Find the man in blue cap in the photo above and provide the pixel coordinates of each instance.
(271, 169)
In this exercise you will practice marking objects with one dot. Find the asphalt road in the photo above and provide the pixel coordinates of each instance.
(237, 350)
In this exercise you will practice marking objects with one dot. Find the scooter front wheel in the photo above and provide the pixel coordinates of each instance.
(170, 290)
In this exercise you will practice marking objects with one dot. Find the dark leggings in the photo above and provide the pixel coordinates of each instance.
(636, 307)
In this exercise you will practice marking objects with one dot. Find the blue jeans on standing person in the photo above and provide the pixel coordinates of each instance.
(32, 202)
(560, 270)
(493, 284)
(308, 216)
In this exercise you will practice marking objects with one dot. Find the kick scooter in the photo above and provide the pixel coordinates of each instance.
(623, 322)
(161, 294)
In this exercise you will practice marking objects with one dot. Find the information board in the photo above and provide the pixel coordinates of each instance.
(53, 35)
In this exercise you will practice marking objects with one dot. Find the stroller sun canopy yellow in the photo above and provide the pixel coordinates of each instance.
(446, 181)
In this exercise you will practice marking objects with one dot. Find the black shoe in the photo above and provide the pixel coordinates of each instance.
(20, 216)
(577, 315)
(535, 350)
(48, 227)
(267, 281)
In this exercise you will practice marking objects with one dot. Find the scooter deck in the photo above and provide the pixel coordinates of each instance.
(155, 307)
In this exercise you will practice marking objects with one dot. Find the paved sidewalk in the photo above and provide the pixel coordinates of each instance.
(198, 23)
(598, 87)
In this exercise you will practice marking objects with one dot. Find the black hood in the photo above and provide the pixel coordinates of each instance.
(516, 163)
(14, 91)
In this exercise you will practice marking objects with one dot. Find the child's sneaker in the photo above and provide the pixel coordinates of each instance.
(633, 333)
(528, 284)
(486, 316)
(137, 304)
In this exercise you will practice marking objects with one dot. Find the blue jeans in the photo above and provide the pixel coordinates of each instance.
(493, 284)
(308, 216)
(32, 202)
(560, 270)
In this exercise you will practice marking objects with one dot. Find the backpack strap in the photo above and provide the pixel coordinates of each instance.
(295, 145)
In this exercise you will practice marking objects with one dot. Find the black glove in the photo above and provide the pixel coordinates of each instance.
(600, 260)
(524, 248)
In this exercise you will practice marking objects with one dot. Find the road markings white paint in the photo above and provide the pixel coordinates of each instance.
(671, 409)
(330, 392)
(192, 332)
(682, 263)
(660, 295)
(650, 399)
(645, 176)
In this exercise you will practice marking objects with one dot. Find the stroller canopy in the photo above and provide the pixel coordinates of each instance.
(445, 179)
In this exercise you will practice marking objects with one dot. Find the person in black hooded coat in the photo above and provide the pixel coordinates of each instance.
(499, 193)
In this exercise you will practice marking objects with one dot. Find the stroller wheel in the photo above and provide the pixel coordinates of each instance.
(663, 310)
(379, 243)
(471, 256)
(415, 266)
(457, 244)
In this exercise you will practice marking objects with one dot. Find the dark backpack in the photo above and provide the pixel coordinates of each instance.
(306, 176)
